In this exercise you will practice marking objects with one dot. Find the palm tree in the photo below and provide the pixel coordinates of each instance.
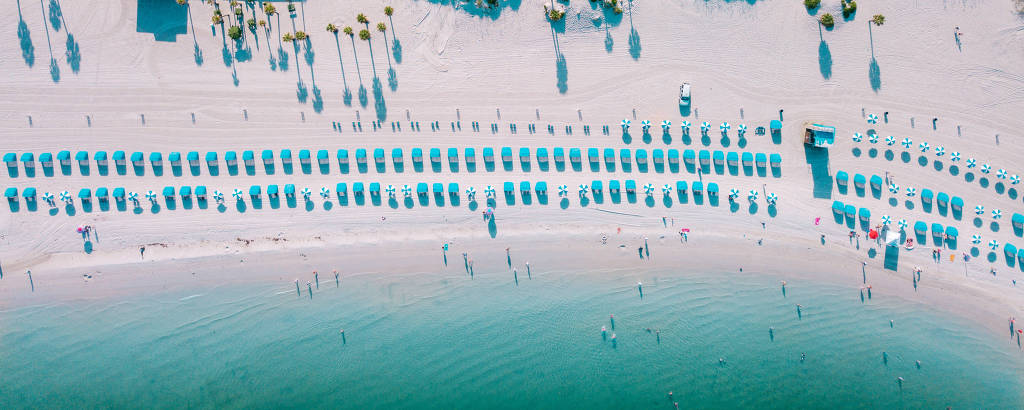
(388, 11)
(364, 34)
(182, 2)
(361, 18)
(348, 30)
(300, 35)
(287, 37)
(381, 27)
(383, 30)
(332, 28)
(269, 9)
(878, 19)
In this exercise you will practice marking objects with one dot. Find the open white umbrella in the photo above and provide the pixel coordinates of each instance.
(886, 220)
(133, 196)
(218, 196)
(872, 119)
(954, 156)
(406, 190)
(306, 192)
(873, 138)
(911, 191)
(924, 146)
(907, 142)
(1001, 173)
(390, 189)
(685, 125)
(237, 193)
(890, 140)
(583, 189)
(902, 224)
(625, 123)
(65, 196)
(986, 168)
(649, 188)
(979, 210)
(971, 163)
(724, 127)
(470, 192)
(666, 189)
(752, 195)
(325, 192)
(666, 124)
(645, 124)
(48, 197)
(741, 129)
(893, 188)
(1015, 179)
(939, 151)
(151, 196)
(858, 137)
(993, 244)
(563, 190)
(771, 198)
(975, 239)
(996, 214)
(705, 126)
(489, 191)
(734, 193)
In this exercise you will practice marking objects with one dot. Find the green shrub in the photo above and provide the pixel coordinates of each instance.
(849, 7)
(827, 20)
(251, 23)
(812, 4)
(556, 15)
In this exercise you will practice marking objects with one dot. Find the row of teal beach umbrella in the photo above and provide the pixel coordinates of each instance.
(940, 151)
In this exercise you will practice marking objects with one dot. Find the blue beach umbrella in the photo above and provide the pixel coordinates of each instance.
(685, 125)
(325, 192)
(954, 156)
(996, 214)
(902, 224)
(771, 198)
(924, 146)
(563, 190)
(975, 239)
(666, 124)
(645, 124)
(873, 138)
(1015, 179)
(724, 127)
(625, 124)
(993, 244)
(971, 163)
(986, 168)
(911, 191)
(893, 188)
(890, 140)
(907, 142)
(979, 210)
(1001, 173)
(886, 220)
(872, 119)
(939, 151)
(858, 137)
(705, 126)
(741, 129)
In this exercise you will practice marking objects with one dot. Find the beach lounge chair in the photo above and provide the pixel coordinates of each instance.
(378, 156)
(574, 155)
(118, 157)
(760, 159)
(718, 157)
(510, 188)
(470, 154)
(1017, 220)
(926, 196)
(542, 155)
(673, 156)
(64, 157)
(304, 157)
(1010, 250)
(11, 160)
(842, 178)
(614, 186)
(435, 155)
(524, 187)
(775, 160)
(641, 157)
(630, 186)
(100, 157)
(658, 156)
(697, 187)
(193, 158)
(341, 189)
(156, 159)
(249, 158)
(732, 158)
(937, 230)
(453, 189)
(85, 194)
(268, 156)
(289, 190)
(625, 156)
(920, 227)
(396, 156)
(609, 156)
(254, 191)
(136, 159)
(322, 157)
(865, 214)
(488, 154)
(29, 194)
(559, 154)
(119, 194)
(417, 155)
(11, 194)
(453, 156)
(942, 198)
(174, 158)
(286, 158)
(593, 155)
(360, 158)
(211, 159)
(358, 189)
(375, 188)
(28, 160)
(747, 159)
(837, 207)
(421, 189)
(596, 187)
(185, 192)
(200, 192)
(680, 186)
(704, 156)
(524, 154)
(712, 189)
(102, 193)
(231, 158)
(541, 187)
(859, 180)
(689, 156)
(506, 154)
(876, 182)
(168, 192)
(342, 155)
(952, 232)
(82, 157)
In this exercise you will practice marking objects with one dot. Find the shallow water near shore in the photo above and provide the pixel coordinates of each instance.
(432, 340)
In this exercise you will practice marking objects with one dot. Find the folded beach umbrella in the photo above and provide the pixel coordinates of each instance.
(306, 192)
(724, 127)
(583, 189)
(237, 193)
(971, 163)
(649, 188)
(407, 190)
(1001, 173)
(705, 126)
(993, 244)
(890, 140)
(924, 146)
(1015, 179)
(325, 192)
(894, 188)
(470, 192)
(741, 129)
(939, 151)
(771, 198)
(857, 137)
(911, 191)
(734, 193)
(644, 124)
(886, 220)
(979, 210)
(666, 189)
(150, 195)
(685, 126)
(975, 239)
(625, 123)
(666, 124)
(907, 142)
(954, 156)
(902, 224)
(872, 119)
(996, 214)
(986, 168)
(752, 195)
(218, 196)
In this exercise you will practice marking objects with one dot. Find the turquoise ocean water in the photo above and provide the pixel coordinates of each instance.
(429, 341)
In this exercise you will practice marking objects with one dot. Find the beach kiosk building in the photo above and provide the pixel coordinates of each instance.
(821, 136)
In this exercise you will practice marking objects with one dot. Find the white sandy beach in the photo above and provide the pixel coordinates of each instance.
(745, 61)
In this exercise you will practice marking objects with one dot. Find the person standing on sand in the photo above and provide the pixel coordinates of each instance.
(142, 251)
(640, 251)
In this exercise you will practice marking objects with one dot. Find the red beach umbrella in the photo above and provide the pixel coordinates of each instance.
(873, 234)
